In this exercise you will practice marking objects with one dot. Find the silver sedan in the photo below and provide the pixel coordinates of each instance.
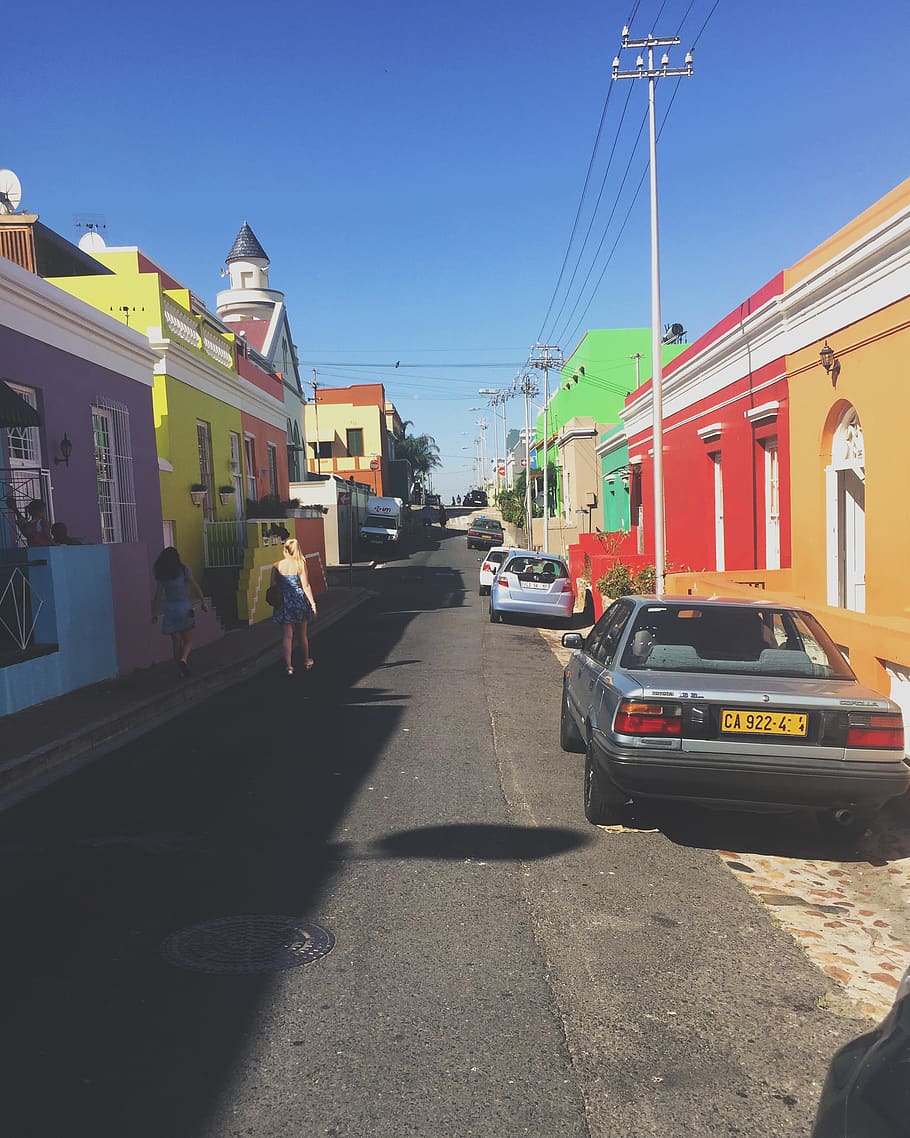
(728, 703)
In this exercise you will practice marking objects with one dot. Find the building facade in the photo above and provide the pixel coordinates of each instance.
(350, 435)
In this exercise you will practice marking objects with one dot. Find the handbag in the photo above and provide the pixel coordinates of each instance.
(273, 596)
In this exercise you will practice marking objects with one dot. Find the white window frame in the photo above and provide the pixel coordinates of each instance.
(772, 503)
(114, 470)
(719, 535)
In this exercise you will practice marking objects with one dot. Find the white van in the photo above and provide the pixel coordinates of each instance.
(383, 521)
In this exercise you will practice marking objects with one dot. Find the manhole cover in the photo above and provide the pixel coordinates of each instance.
(249, 943)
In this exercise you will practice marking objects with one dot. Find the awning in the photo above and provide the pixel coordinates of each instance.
(14, 411)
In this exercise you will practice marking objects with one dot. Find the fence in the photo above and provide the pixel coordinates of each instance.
(22, 484)
(225, 544)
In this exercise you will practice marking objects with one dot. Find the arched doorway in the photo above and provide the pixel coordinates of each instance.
(846, 514)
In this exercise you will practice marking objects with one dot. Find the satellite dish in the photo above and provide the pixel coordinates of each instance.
(92, 242)
(10, 192)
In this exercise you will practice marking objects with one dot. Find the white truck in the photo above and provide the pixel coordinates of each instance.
(383, 522)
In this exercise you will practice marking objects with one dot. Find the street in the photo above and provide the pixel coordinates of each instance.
(499, 966)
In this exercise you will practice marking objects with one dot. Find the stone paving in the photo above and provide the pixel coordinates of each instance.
(851, 917)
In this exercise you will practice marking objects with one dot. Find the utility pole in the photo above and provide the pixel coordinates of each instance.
(651, 73)
(315, 386)
(482, 425)
(637, 358)
(544, 357)
(527, 387)
(499, 397)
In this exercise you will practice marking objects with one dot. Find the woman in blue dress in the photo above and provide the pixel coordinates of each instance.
(297, 603)
(172, 600)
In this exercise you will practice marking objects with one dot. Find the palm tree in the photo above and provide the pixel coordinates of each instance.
(421, 451)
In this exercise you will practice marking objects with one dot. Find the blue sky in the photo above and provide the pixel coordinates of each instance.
(413, 169)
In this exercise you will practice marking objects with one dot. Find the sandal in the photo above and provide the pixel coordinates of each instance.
(290, 671)
(309, 664)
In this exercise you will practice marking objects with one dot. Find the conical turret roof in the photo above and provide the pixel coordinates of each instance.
(246, 246)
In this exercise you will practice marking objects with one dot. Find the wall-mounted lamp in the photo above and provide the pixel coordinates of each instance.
(66, 449)
(830, 363)
(626, 476)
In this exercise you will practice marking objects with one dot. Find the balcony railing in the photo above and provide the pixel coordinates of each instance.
(22, 484)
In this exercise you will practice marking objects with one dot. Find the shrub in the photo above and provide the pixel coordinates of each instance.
(616, 582)
(646, 579)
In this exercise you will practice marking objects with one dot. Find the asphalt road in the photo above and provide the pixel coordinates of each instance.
(500, 966)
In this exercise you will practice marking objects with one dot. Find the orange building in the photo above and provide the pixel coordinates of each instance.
(844, 327)
(349, 431)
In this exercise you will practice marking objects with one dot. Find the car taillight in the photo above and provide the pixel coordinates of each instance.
(486, 567)
(634, 717)
(502, 582)
(566, 585)
(880, 731)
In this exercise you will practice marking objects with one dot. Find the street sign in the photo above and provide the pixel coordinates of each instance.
(502, 470)
(524, 462)
(374, 464)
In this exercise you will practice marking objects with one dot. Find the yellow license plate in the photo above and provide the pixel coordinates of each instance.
(764, 722)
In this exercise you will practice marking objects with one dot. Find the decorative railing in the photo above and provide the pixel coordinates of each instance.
(181, 323)
(21, 484)
(20, 604)
(225, 544)
(216, 348)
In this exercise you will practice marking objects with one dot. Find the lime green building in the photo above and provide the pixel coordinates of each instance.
(589, 483)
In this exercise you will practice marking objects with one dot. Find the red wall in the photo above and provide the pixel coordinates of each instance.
(264, 434)
(689, 476)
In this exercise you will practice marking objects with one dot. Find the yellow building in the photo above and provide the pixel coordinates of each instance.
(350, 431)
(213, 410)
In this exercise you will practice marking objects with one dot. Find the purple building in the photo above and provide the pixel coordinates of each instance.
(78, 435)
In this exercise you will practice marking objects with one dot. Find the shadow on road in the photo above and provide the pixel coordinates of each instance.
(794, 834)
(227, 809)
(466, 840)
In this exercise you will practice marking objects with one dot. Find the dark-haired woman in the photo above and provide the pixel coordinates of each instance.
(171, 599)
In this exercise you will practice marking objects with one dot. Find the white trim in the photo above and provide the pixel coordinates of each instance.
(711, 432)
(766, 411)
(164, 465)
(635, 459)
(177, 361)
(48, 314)
(576, 433)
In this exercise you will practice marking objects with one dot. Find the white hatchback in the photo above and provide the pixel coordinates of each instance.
(490, 563)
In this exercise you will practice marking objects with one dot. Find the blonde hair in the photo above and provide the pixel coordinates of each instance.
(292, 553)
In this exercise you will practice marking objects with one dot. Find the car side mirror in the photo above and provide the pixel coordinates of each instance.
(572, 640)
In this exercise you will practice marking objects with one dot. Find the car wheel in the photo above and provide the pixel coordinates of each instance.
(495, 617)
(602, 799)
(843, 827)
(569, 737)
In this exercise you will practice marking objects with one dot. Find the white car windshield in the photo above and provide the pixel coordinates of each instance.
(735, 640)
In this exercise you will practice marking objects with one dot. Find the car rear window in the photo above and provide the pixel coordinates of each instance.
(729, 639)
(536, 568)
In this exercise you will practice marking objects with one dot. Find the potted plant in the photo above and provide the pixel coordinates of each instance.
(226, 494)
(198, 492)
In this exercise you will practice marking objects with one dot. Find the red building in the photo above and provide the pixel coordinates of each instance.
(725, 447)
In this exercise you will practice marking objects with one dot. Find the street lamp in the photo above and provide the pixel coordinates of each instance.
(651, 73)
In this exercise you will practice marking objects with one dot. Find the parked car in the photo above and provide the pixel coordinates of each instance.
(867, 1092)
(491, 563)
(729, 703)
(475, 498)
(432, 500)
(485, 533)
(532, 584)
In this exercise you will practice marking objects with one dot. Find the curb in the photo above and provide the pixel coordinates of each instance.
(27, 773)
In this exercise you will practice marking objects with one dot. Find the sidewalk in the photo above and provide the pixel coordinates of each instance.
(43, 742)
